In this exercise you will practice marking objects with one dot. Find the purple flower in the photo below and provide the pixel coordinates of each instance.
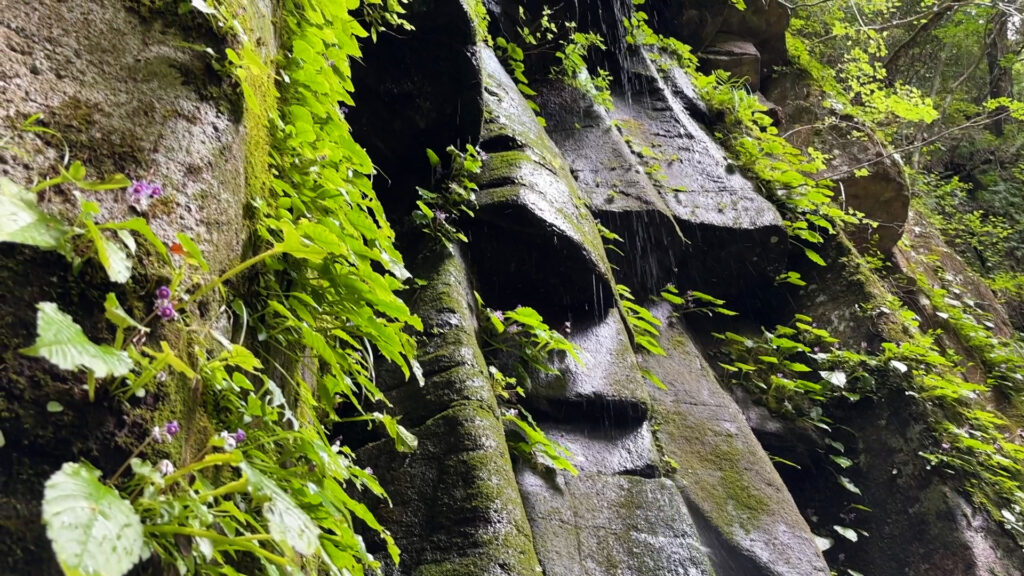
(140, 192)
(240, 436)
(163, 293)
(165, 309)
(441, 215)
(139, 189)
(172, 428)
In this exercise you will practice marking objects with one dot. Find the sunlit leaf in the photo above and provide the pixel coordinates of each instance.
(93, 531)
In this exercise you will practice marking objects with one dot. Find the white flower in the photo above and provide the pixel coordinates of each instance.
(229, 441)
(165, 468)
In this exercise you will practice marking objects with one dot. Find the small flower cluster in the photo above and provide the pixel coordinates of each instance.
(141, 192)
(231, 441)
(166, 432)
(164, 306)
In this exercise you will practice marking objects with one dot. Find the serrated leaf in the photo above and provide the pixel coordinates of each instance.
(93, 531)
(817, 259)
(23, 222)
(63, 342)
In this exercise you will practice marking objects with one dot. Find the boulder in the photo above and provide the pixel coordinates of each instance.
(736, 56)
(654, 176)
(581, 530)
(868, 177)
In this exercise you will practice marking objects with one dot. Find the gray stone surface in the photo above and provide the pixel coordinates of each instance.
(736, 56)
(595, 525)
(746, 514)
(531, 218)
(455, 507)
(654, 176)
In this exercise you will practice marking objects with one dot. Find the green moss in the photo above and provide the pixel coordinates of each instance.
(716, 476)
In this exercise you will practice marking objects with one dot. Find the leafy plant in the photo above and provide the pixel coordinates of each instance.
(522, 341)
(438, 211)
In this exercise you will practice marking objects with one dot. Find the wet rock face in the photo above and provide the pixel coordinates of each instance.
(652, 174)
(532, 234)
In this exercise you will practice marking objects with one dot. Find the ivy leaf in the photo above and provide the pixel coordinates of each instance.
(93, 531)
(63, 342)
(23, 222)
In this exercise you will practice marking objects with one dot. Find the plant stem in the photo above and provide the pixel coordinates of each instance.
(129, 460)
(231, 487)
(225, 541)
(234, 272)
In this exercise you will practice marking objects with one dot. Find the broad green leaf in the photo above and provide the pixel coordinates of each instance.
(817, 259)
(849, 485)
(23, 222)
(841, 460)
(836, 377)
(847, 533)
(111, 255)
(140, 226)
(193, 251)
(93, 531)
(203, 7)
(288, 524)
(117, 316)
(63, 342)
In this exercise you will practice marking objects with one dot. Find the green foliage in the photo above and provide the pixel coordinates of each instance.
(569, 47)
(520, 340)
(24, 222)
(795, 368)
(63, 343)
(645, 326)
(326, 271)
(694, 301)
(439, 210)
(94, 531)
